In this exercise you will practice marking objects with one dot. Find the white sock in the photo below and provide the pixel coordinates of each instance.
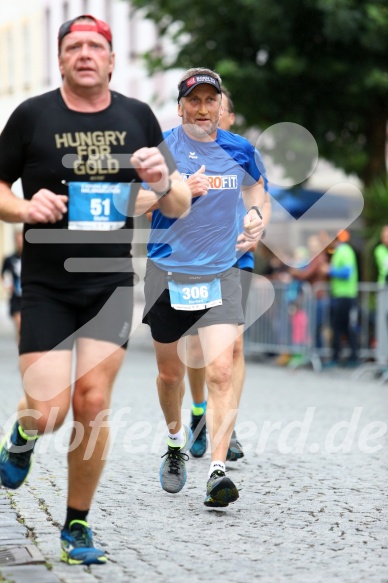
(177, 439)
(216, 465)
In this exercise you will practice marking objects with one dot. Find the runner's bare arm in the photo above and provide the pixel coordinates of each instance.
(44, 207)
(253, 196)
(172, 194)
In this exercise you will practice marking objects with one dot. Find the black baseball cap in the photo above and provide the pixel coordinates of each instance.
(97, 26)
(188, 85)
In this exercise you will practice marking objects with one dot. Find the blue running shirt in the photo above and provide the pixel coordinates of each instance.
(204, 242)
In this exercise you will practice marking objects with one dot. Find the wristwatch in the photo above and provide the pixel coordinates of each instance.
(165, 192)
(256, 208)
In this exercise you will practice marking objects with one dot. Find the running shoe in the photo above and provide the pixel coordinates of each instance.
(15, 459)
(198, 427)
(235, 451)
(220, 490)
(77, 545)
(172, 473)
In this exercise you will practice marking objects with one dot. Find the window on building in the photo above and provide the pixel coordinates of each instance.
(27, 65)
(47, 48)
(10, 61)
(132, 36)
(65, 11)
(108, 11)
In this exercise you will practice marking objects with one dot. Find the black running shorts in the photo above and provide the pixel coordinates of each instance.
(169, 325)
(53, 320)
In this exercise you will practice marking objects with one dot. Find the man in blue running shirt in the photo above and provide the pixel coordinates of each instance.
(195, 368)
(190, 281)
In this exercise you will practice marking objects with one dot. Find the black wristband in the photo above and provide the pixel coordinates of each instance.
(165, 192)
(256, 208)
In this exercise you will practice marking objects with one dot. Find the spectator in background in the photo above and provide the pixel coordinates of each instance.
(315, 273)
(381, 260)
(381, 256)
(278, 315)
(10, 275)
(343, 273)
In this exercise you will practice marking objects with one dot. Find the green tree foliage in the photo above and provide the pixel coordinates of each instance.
(376, 205)
(319, 63)
(375, 216)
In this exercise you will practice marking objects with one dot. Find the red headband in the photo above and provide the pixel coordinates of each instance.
(74, 25)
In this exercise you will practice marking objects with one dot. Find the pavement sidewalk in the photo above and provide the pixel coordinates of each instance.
(313, 498)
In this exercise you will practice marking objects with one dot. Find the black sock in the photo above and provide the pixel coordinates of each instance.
(20, 441)
(28, 444)
(74, 514)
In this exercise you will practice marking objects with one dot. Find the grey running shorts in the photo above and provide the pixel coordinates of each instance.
(169, 325)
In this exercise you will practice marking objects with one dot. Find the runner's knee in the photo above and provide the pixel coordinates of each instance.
(89, 404)
(170, 378)
(219, 378)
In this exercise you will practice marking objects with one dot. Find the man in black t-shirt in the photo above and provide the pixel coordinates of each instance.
(81, 152)
(10, 274)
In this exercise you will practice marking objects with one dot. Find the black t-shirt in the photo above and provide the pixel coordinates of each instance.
(48, 145)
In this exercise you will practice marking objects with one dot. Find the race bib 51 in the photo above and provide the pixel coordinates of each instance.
(99, 206)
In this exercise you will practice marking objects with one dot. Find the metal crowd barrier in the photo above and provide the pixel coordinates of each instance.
(298, 324)
(379, 368)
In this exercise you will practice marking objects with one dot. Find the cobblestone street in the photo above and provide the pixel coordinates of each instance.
(313, 495)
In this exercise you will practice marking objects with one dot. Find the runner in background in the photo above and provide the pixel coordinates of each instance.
(196, 372)
(10, 275)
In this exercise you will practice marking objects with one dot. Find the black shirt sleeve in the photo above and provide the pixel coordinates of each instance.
(13, 144)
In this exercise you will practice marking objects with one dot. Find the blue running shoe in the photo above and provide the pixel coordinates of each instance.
(77, 545)
(198, 427)
(220, 491)
(172, 473)
(235, 451)
(15, 458)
